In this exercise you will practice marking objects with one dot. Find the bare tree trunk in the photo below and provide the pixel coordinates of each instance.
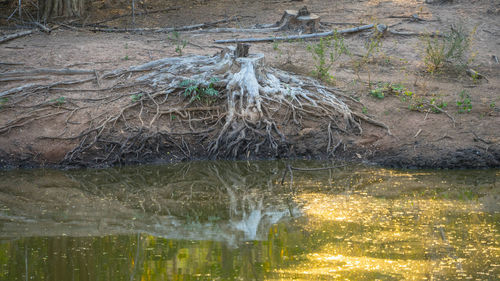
(61, 8)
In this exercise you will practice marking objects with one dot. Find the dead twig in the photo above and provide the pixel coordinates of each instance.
(442, 111)
(418, 133)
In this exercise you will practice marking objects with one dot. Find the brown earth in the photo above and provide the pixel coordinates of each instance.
(420, 138)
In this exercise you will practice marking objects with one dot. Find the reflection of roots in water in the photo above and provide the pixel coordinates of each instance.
(224, 201)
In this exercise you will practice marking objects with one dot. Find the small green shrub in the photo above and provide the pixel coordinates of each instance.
(453, 48)
(384, 89)
(439, 104)
(136, 97)
(416, 103)
(464, 102)
(378, 93)
(3, 101)
(179, 43)
(276, 45)
(59, 101)
(325, 53)
(196, 91)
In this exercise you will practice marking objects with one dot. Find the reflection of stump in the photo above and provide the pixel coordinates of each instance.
(301, 20)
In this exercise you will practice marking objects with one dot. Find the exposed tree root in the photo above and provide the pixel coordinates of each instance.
(234, 107)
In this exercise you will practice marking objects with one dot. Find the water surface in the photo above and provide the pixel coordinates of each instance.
(245, 221)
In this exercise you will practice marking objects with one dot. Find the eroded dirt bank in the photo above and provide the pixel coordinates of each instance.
(50, 126)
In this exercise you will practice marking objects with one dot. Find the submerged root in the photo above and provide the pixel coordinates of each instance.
(233, 107)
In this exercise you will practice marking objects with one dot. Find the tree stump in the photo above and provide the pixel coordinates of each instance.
(301, 20)
(241, 50)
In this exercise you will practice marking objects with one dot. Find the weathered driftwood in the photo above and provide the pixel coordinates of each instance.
(296, 37)
(9, 37)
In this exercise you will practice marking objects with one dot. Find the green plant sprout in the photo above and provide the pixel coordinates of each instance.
(464, 103)
(196, 91)
(59, 101)
(136, 97)
(325, 54)
(3, 101)
(439, 104)
(373, 46)
(179, 43)
(384, 89)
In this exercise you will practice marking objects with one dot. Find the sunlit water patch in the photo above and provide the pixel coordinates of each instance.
(249, 221)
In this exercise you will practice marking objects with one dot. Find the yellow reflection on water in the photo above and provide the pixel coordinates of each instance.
(362, 237)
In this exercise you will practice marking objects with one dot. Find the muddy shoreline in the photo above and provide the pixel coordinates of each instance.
(469, 158)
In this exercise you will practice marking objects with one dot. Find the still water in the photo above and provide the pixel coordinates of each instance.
(249, 221)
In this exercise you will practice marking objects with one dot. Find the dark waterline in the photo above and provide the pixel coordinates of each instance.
(235, 221)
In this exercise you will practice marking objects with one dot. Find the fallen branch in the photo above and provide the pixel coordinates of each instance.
(166, 29)
(42, 27)
(405, 33)
(16, 90)
(413, 17)
(128, 15)
(295, 37)
(9, 37)
(47, 71)
(10, 63)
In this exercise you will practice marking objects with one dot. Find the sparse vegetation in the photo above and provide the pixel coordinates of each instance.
(464, 102)
(438, 103)
(59, 101)
(136, 97)
(384, 89)
(452, 48)
(3, 101)
(372, 46)
(325, 53)
(197, 92)
(180, 44)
